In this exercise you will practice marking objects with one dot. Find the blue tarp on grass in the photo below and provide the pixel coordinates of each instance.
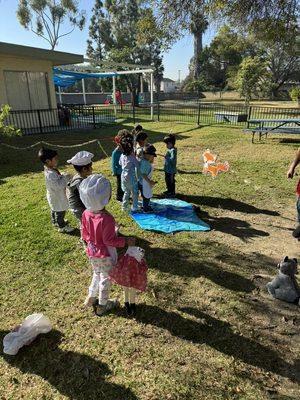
(170, 215)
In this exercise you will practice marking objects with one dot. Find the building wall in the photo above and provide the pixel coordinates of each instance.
(10, 63)
(168, 87)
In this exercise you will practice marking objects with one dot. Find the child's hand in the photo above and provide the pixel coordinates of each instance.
(290, 173)
(130, 241)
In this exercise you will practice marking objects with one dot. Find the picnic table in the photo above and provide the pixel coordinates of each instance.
(278, 125)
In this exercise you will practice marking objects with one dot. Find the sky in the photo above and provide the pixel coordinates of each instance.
(175, 60)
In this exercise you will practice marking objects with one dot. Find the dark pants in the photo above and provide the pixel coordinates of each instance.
(120, 192)
(58, 218)
(170, 182)
(146, 201)
(298, 209)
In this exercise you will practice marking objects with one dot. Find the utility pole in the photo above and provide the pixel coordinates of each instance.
(179, 75)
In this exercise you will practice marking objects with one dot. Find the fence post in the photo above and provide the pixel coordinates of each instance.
(94, 121)
(158, 108)
(249, 115)
(40, 121)
(199, 104)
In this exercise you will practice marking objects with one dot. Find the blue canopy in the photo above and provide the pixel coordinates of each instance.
(64, 78)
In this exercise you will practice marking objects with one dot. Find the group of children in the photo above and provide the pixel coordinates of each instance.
(87, 194)
(132, 164)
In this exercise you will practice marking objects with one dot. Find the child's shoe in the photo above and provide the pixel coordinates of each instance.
(148, 210)
(135, 209)
(110, 305)
(170, 195)
(128, 309)
(89, 301)
(296, 232)
(66, 229)
(133, 309)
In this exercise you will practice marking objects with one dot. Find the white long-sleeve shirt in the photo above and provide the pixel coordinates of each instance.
(56, 185)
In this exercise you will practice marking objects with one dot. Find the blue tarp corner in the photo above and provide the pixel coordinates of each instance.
(170, 215)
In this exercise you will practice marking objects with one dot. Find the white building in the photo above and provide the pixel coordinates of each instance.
(168, 85)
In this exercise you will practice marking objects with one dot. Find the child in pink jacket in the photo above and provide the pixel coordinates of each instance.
(99, 231)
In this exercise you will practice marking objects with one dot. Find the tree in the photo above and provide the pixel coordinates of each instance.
(281, 55)
(252, 78)
(132, 37)
(5, 129)
(45, 18)
(198, 26)
(99, 34)
(262, 15)
(295, 94)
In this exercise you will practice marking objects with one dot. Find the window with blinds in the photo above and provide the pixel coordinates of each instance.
(27, 90)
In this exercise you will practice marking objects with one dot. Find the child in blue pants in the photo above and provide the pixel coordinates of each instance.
(116, 167)
(129, 165)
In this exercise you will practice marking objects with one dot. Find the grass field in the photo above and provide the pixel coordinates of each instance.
(206, 328)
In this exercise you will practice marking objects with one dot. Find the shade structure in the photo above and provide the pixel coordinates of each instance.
(65, 78)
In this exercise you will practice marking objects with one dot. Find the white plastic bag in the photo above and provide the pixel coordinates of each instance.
(30, 328)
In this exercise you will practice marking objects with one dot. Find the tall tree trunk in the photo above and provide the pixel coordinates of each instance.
(198, 47)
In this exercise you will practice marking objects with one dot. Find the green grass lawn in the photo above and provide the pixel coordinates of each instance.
(206, 329)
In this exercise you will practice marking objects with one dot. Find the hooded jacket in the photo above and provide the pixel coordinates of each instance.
(75, 202)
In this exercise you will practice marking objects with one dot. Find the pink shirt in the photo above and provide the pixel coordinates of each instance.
(99, 231)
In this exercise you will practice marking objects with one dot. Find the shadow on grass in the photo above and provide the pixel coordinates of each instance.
(232, 226)
(76, 376)
(218, 335)
(228, 204)
(224, 266)
(17, 162)
(285, 140)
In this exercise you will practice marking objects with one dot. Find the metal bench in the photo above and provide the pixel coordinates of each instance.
(230, 116)
(280, 126)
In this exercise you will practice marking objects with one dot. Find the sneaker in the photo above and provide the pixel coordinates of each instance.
(135, 209)
(296, 232)
(110, 305)
(89, 301)
(66, 229)
(148, 210)
(171, 195)
(127, 306)
(133, 309)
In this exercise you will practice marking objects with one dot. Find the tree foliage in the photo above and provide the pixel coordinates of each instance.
(7, 129)
(252, 78)
(45, 18)
(295, 94)
(127, 33)
(259, 15)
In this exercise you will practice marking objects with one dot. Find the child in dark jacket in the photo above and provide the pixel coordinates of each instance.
(170, 167)
(82, 163)
(116, 167)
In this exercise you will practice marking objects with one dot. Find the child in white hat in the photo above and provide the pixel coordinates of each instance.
(99, 232)
(82, 163)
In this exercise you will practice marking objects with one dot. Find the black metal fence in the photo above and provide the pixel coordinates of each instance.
(76, 116)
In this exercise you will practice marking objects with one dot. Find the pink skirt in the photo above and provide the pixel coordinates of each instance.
(129, 272)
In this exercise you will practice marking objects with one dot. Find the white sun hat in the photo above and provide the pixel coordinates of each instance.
(81, 158)
(95, 192)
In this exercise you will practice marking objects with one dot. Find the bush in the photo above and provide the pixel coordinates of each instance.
(7, 130)
(295, 94)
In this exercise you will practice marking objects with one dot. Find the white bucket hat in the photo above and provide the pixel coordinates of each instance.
(95, 192)
(81, 158)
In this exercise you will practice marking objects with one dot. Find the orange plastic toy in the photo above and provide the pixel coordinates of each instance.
(210, 165)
